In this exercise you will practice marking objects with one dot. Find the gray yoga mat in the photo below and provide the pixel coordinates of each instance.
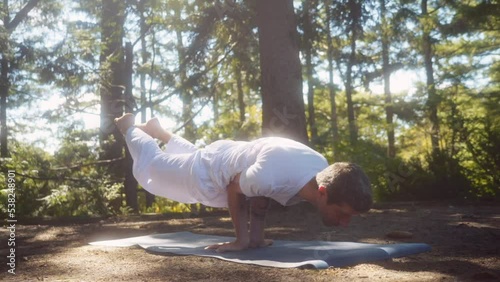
(283, 254)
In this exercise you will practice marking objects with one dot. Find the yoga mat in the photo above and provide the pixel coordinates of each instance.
(282, 254)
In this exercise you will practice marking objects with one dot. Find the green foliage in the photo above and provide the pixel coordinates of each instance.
(69, 183)
(229, 126)
(60, 185)
(464, 168)
(78, 201)
(165, 206)
(31, 166)
(479, 135)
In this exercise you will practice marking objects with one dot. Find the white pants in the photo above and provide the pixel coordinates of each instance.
(166, 173)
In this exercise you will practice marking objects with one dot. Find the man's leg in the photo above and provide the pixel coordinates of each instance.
(162, 173)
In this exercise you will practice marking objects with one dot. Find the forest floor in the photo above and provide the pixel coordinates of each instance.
(465, 242)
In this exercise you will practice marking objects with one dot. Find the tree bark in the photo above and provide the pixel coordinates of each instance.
(283, 112)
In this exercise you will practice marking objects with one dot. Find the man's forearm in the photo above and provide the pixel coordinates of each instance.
(258, 211)
(238, 209)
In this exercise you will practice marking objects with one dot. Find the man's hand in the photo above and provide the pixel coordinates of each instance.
(229, 246)
(238, 209)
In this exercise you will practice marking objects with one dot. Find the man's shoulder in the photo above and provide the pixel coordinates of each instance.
(280, 141)
(287, 144)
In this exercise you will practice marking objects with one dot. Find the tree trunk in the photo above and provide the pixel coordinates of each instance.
(281, 75)
(354, 14)
(150, 198)
(144, 59)
(309, 71)
(239, 90)
(389, 112)
(331, 86)
(112, 86)
(432, 97)
(130, 184)
(186, 97)
(9, 27)
(215, 107)
(4, 87)
(4, 93)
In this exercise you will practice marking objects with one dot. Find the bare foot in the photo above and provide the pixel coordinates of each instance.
(125, 122)
(152, 127)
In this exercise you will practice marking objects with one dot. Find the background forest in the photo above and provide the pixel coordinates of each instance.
(69, 67)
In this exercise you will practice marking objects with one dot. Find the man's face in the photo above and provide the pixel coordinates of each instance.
(336, 214)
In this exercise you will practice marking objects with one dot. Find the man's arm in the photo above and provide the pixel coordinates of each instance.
(258, 211)
(238, 209)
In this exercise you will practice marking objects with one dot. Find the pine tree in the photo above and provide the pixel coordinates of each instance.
(281, 72)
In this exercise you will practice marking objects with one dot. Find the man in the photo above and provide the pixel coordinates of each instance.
(226, 173)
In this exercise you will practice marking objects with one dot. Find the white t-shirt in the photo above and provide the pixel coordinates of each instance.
(271, 167)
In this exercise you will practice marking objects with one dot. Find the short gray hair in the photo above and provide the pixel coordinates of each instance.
(347, 183)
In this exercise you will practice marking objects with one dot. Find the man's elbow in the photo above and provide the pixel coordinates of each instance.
(259, 206)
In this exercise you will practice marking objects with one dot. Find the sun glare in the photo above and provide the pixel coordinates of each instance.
(402, 81)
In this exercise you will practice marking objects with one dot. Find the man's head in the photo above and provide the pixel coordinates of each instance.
(344, 190)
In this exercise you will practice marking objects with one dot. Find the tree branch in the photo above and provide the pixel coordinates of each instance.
(195, 76)
(88, 164)
(48, 178)
(21, 15)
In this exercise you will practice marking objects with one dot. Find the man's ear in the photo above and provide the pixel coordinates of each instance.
(322, 189)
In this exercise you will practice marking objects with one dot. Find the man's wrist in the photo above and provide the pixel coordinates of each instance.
(243, 239)
(257, 215)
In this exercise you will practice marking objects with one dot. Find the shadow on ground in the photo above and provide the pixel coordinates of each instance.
(465, 241)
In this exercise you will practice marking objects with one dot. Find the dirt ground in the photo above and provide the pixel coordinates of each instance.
(465, 242)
